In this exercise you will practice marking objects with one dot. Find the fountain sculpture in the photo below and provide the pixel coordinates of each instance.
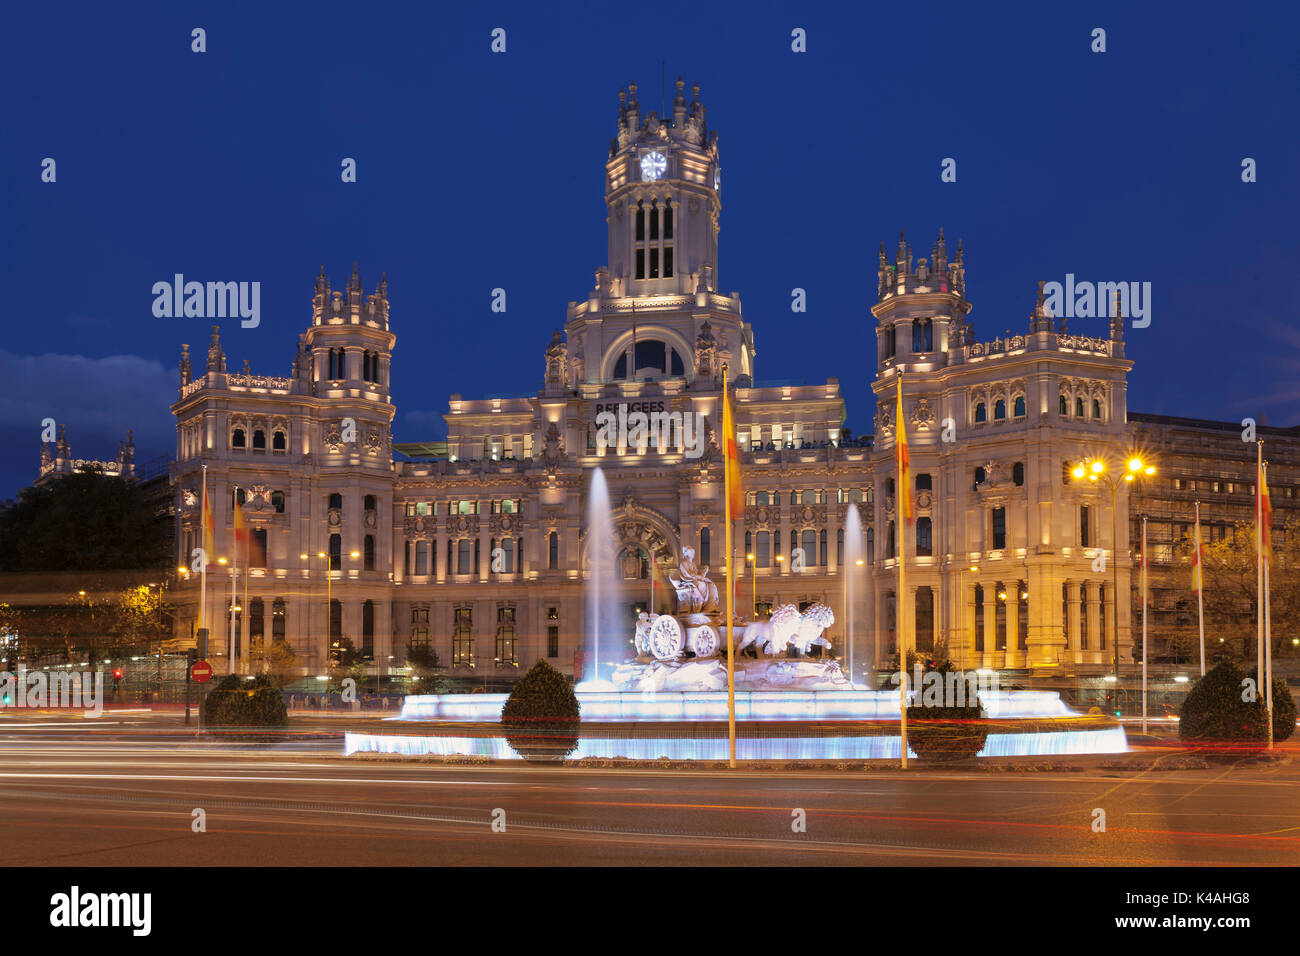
(686, 651)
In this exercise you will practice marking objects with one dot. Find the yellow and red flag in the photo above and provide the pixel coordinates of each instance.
(241, 526)
(731, 453)
(904, 463)
(208, 528)
(1265, 515)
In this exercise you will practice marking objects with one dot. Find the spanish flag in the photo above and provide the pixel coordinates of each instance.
(1265, 516)
(208, 528)
(904, 465)
(1196, 557)
(730, 452)
(241, 526)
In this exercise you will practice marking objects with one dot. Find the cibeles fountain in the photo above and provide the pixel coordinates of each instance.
(687, 651)
(672, 667)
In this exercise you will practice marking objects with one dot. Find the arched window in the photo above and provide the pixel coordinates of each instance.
(370, 502)
(421, 557)
(369, 553)
(278, 441)
(808, 542)
(368, 628)
(237, 439)
(1096, 408)
(822, 547)
(336, 552)
(257, 554)
(1018, 473)
(705, 541)
(553, 551)
(1018, 407)
(259, 439)
(336, 501)
(979, 476)
(640, 224)
(889, 542)
(922, 336)
(1078, 407)
(668, 223)
(924, 482)
(1065, 407)
(256, 622)
(763, 549)
(981, 412)
(463, 556)
(924, 546)
(999, 410)
(277, 502)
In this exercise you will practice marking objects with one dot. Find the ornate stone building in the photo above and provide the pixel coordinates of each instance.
(476, 547)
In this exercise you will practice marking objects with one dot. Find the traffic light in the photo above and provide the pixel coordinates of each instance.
(117, 678)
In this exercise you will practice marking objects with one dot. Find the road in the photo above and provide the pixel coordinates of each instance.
(72, 797)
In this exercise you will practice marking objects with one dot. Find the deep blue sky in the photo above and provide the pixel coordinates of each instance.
(479, 170)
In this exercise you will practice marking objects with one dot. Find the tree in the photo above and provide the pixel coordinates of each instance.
(277, 660)
(236, 702)
(424, 663)
(86, 521)
(1230, 577)
(1229, 704)
(542, 714)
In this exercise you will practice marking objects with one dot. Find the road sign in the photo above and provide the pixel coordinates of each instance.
(201, 671)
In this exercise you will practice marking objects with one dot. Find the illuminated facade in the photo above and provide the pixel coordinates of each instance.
(475, 547)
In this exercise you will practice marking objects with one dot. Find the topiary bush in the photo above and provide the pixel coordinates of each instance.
(1284, 709)
(1215, 711)
(236, 702)
(946, 733)
(541, 715)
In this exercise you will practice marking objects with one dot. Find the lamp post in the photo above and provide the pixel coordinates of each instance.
(753, 588)
(1096, 470)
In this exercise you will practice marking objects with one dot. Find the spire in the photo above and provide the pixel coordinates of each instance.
(1117, 322)
(1041, 320)
(321, 281)
(216, 357)
(187, 371)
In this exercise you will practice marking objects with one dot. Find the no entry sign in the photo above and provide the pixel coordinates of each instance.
(201, 671)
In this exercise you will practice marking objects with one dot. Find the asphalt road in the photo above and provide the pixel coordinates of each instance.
(69, 797)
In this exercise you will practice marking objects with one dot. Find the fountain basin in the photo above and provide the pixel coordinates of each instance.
(712, 705)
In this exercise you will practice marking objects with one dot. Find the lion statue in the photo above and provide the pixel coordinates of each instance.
(787, 629)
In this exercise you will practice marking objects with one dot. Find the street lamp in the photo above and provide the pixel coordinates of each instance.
(753, 587)
(1096, 470)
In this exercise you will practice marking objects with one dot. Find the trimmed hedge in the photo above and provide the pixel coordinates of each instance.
(1214, 709)
(236, 702)
(541, 715)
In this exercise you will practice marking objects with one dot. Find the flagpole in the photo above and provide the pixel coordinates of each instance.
(900, 603)
(1144, 624)
(1259, 561)
(203, 547)
(1268, 623)
(727, 439)
(1200, 587)
(234, 579)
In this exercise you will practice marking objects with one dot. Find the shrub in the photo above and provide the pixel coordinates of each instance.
(1284, 710)
(236, 702)
(1214, 709)
(541, 715)
(945, 733)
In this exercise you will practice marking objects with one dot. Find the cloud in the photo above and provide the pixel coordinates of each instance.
(97, 398)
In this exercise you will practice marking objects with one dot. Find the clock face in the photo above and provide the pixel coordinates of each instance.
(653, 165)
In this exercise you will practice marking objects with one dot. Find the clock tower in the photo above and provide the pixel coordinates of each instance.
(656, 311)
(662, 189)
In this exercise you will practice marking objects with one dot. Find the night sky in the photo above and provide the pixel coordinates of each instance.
(479, 170)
